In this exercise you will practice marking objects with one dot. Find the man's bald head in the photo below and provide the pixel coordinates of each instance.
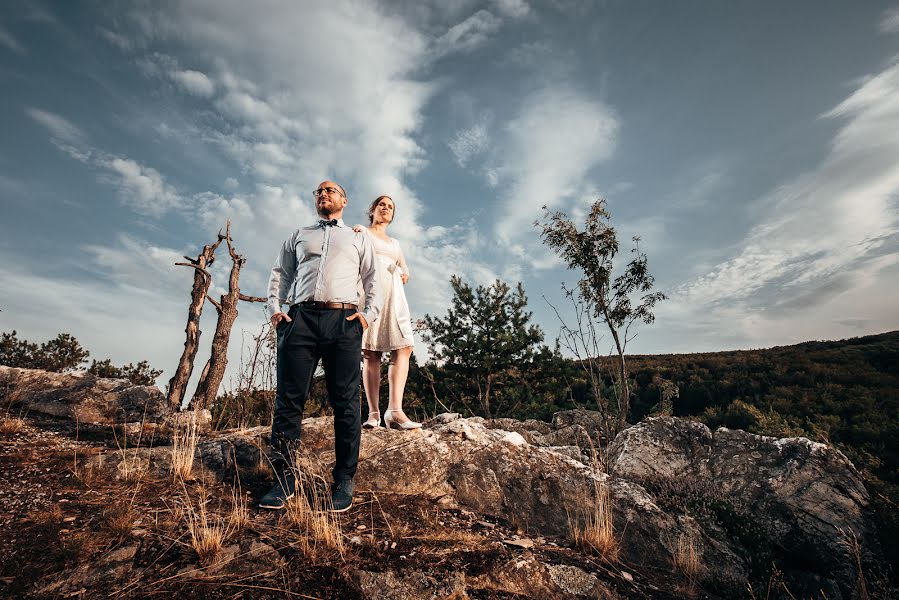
(330, 199)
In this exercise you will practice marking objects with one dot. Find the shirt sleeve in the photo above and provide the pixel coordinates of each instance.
(371, 285)
(401, 260)
(283, 273)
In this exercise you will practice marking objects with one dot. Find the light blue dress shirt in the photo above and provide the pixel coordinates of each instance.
(326, 263)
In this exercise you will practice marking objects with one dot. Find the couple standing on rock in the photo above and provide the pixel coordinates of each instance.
(318, 273)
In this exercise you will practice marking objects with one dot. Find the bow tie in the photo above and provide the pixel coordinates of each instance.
(327, 223)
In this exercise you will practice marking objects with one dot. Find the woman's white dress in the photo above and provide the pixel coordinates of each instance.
(393, 328)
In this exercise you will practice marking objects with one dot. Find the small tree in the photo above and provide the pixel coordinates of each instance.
(483, 335)
(616, 302)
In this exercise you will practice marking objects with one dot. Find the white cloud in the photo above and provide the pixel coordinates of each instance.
(824, 232)
(550, 147)
(115, 39)
(140, 187)
(9, 40)
(889, 23)
(468, 35)
(136, 263)
(194, 82)
(468, 143)
(516, 9)
(59, 127)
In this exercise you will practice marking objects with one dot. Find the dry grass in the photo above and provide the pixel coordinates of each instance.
(86, 472)
(687, 559)
(132, 467)
(51, 516)
(310, 510)
(11, 425)
(119, 519)
(184, 447)
(208, 531)
(850, 542)
(593, 529)
(239, 517)
(262, 469)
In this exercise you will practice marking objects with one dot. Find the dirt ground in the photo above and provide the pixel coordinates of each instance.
(69, 530)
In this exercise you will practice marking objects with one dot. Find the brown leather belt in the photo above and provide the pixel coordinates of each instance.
(328, 305)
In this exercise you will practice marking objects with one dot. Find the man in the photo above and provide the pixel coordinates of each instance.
(318, 273)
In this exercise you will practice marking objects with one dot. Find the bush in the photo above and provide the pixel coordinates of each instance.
(63, 353)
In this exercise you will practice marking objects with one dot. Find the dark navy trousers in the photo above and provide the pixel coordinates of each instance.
(314, 334)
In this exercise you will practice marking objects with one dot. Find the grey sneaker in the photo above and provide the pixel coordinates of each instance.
(341, 495)
(285, 487)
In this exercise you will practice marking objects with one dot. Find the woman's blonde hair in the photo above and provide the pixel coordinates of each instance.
(371, 209)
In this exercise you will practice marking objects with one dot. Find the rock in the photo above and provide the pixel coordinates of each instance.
(114, 569)
(523, 543)
(794, 492)
(531, 430)
(798, 494)
(528, 577)
(413, 585)
(84, 397)
(577, 423)
(247, 558)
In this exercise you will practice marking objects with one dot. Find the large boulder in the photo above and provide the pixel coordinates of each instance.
(83, 397)
(802, 501)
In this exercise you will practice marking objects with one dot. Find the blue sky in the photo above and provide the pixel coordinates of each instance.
(754, 146)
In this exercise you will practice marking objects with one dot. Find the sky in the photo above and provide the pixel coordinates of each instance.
(753, 146)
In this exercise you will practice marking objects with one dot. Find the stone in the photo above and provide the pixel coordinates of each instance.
(115, 568)
(799, 494)
(83, 397)
(528, 577)
(412, 585)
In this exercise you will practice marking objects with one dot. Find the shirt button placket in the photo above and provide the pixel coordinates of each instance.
(319, 282)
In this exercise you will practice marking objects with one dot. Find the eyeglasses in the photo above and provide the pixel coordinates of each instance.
(326, 190)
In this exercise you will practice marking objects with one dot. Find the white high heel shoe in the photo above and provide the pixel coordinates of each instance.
(390, 423)
(374, 420)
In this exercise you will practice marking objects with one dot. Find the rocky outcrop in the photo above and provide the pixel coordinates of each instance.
(738, 502)
(83, 397)
(800, 498)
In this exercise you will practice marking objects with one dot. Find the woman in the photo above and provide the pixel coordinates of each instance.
(392, 332)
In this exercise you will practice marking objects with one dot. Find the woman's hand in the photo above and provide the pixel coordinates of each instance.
(404, 277)
(358, 228)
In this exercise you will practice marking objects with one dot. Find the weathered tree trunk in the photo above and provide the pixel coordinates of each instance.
(202, 281)
(214, 371)
(625, 388)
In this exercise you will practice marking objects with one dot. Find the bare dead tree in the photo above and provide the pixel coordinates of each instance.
(214, 371)
(202, 281)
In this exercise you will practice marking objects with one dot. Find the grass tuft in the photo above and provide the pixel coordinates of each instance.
(687, 559)
(593, 528)
(310, 510)
(119, 519)
(184, 447)
(10, 426)
(208, 531)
